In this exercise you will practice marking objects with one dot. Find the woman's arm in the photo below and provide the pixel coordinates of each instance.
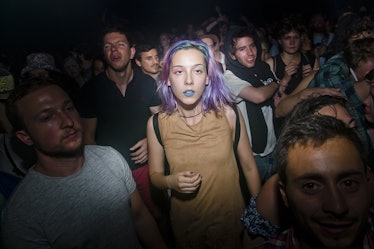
(245, 154)
(155, 158)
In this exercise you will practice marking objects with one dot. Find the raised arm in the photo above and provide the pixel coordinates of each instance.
(287, 102)
(286, 105)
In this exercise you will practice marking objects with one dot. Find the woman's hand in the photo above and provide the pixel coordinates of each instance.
(184, 182)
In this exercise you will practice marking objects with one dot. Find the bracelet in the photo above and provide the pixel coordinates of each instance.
(284, 85)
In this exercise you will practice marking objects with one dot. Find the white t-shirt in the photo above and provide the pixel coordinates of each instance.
(236, 85)
(89, 209)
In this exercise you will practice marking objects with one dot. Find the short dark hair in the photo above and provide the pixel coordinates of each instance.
(288, 24)
(359, 50)
(19, 93)
(313, 130)
(140, 48)
(312, 105)
(119, 28)
(241, 32)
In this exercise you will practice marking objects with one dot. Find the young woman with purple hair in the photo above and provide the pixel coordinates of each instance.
(195, 133)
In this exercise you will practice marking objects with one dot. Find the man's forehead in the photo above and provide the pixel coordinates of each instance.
(51, 91)
(244, 40)
(152, 51)
(334, 155)
(117, 35)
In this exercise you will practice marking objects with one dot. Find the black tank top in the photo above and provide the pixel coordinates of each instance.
(279, 67)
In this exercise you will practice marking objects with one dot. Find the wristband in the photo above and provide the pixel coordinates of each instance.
(284, 85)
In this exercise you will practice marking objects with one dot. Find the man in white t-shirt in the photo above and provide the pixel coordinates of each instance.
(75, 196)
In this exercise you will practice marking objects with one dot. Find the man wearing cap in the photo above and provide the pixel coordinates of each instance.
(38, 64)
(6, 86)
(42, 64)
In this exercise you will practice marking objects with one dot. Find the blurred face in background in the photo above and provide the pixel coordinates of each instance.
(98, 66)
(72, 67)
(290, 42)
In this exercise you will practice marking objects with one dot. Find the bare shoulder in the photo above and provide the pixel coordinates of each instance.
(269, 61)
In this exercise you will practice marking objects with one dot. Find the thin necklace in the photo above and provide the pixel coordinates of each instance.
(182, 116)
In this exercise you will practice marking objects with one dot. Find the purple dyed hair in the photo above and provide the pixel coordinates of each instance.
(216, 93)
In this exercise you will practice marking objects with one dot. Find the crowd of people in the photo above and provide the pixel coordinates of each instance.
(225, 135)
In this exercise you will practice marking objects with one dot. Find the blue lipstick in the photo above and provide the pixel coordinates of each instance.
(189, 93)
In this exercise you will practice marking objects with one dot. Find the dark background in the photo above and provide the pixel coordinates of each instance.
(29, 25)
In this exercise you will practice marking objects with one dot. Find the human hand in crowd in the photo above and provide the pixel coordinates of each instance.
(278, 96)
(290, 70)
(306, 70)
(222, 18)
(140, 152)
(184, 182)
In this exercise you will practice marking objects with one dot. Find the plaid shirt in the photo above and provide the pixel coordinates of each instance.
(335, 74)
(286, 240)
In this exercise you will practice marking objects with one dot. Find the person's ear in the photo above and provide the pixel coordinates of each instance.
(138, 63)
(132, 52)
(24, 137)
(282, 189)
(232, 56)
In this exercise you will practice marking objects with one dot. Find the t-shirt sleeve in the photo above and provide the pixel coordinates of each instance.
(234, 83)
(156, 99)
(125, 171)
